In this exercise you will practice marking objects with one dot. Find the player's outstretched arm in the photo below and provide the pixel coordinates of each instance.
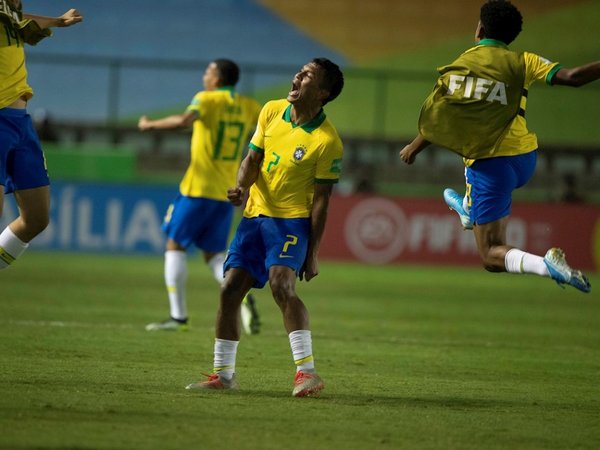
(409, 153)
(168, 123)
(577, 76)
(71, 17)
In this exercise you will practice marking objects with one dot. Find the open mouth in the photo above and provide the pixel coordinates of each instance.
(294, 91)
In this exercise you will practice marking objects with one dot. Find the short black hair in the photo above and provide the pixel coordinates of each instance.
(501, 20)
(333, 78)
(229, 72)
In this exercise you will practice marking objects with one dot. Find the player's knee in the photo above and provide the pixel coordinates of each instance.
(491, 265)
(30, 227)
(37, 225)
(493, 257)
(229, 292)
(282, 291)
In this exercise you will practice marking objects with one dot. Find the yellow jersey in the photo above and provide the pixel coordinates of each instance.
(295, 159)
(13, 73)
(477, 108)
(225, 121)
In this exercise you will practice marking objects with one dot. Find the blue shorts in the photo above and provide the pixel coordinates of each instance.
(203, 222)
(262, 242)
(22, 162)
(490, 183)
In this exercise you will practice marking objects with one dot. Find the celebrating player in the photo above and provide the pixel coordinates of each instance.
(22, 163)
(477, 110)
(294, 159)
(201, 215)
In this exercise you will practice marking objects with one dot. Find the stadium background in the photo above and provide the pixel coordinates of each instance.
(414, 356)
(131, 58)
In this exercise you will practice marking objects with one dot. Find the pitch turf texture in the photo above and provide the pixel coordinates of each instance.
(412, 357)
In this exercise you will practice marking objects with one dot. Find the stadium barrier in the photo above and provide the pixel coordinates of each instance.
(383, 230)
(366, 159)
(121, 218)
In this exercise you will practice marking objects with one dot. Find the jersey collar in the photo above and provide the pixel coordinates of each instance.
(231, 89)
(310, 126)
(492, 43)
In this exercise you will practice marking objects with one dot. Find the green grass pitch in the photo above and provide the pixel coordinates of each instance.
(412, 358)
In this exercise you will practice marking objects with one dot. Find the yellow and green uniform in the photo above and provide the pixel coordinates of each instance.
(225, 120)
(295, 159)
(22, 162)
(477, 108)
(13, 73)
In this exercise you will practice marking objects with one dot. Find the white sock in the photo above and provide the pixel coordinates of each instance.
(301, 344)
(176, 273)
(224, 362)
(216, 266)
(11, 247)
(518, 261)
(465, 204)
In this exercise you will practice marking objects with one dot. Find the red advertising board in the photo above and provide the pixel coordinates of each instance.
(384, 230)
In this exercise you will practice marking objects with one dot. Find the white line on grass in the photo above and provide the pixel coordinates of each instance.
(59, 323)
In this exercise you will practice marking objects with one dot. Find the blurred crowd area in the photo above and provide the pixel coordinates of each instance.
(565, 173)
(91, 85)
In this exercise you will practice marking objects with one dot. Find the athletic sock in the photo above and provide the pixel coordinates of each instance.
(224, 362)
(176, 273)
(301, 343)
(216, 266)
(518, 261)
(11, 247)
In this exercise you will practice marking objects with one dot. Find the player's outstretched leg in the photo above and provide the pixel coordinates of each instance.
(561, 272)
(455, 202)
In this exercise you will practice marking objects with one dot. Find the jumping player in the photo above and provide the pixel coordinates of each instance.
(477, 109)
(22, 163)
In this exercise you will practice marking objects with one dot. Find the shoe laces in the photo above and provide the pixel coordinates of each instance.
(210, 376)
(301, 376)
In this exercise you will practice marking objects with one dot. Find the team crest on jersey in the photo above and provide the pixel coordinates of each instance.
(299, 153)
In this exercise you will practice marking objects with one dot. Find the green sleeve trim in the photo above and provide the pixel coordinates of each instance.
(551, 74)
(251, 146)
(326, 180)
(32, 32)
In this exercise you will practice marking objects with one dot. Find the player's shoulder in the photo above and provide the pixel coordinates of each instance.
(204, 96)
(531, 56)
(329, 134)
(273, 109)
(329, 127)
(276, 105)
(249, 101)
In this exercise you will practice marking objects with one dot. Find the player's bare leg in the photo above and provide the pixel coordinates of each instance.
(497, 256)
(236, 285)
(34, 212)
(491, 244)
(34, 216)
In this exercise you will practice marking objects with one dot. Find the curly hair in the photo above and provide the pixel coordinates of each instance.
(501, 20)
(333, 79)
